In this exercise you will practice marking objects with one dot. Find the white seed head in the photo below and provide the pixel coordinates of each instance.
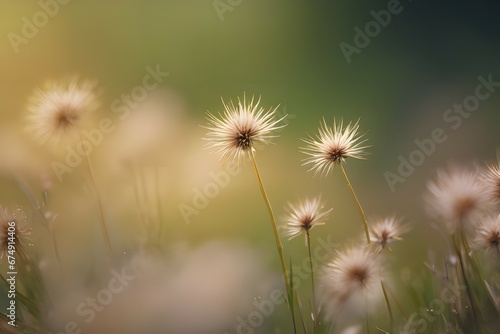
(304, 216)
(59, 109)
(384, 231)
(491, 180)
(13, 226)
(332, 146)
(457, 197)
(352, 276)
(240, 128)
(488, 235)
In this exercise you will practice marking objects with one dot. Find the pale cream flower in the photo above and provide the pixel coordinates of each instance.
(385, 231)
(488, 235)
(59, 109)
(457, 197)
(491, 179)
(351, 277)
(13, 231)
(304, 216)
(332, 146)
(241, 128)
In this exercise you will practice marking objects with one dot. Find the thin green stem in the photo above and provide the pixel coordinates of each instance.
(396, 300)
(50, 227)
(308, 239)
(54, 246)
(36, 273)
(99, 200)
(365, 223)
(279, 245)
(458, 250)
(158, 202)
(387, 302)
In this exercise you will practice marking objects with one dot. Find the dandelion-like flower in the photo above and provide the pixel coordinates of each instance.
(304, 215)
(241, 128)
(13, 231)
(59, 109)
(488, 235)
(351, 276)
(458, 197)
(491, 179)
(385, 231)
(332, 146)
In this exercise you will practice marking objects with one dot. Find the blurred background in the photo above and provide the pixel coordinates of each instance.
(151, 167)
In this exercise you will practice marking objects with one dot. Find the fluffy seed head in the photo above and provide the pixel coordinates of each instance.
(457, 197)
(488, 235)
(13, 227)
(241, 128)
(351, 276)
(333, 145)
(385, 231)
(303, 216)
(491, 179)
(59, 109)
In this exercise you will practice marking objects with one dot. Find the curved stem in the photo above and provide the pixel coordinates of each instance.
(458, 250)
(308, 239)
(54, 246)
(279, 245)
(99, 200)
(365, 223)
(387, 303)
(158, 203)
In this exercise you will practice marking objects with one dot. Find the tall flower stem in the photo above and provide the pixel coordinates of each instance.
(365, 223)
(458, 250)
(387, 302)
(49, 224)
(158, 203)
(99, 200)
(54, 246)
(279, 245)
(35, 272)
(308, 240)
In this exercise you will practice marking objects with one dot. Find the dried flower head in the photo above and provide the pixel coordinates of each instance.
(488, 235)
(351, 276)
(385, 231)
(241, 128)
(333, 145)
(491, 179)
(304, 215)
(13, 231)
(458, 197)
(59, 109)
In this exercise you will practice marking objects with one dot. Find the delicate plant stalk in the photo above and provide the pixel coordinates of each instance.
(396, 300)
(54, 246)
(458, 250)
(36, 273)
(50, 227)
(158, 202)
(28, 303)
(145, 196)
(308, 238)
(279, 245)
(365, 223)
(99, 200)
(137, 196)
(387, 302)
(304, 327)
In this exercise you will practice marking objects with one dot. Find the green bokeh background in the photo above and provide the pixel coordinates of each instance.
(424, 61)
